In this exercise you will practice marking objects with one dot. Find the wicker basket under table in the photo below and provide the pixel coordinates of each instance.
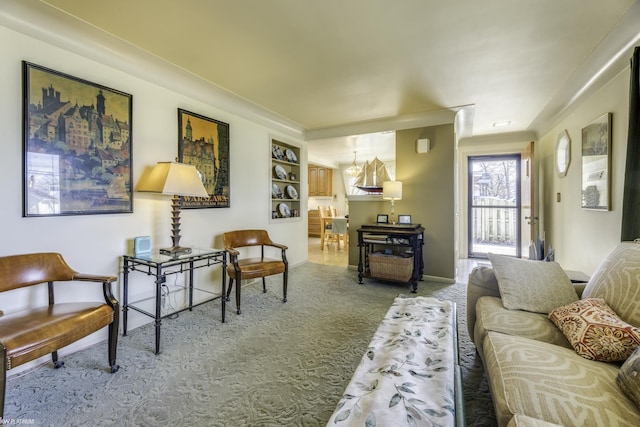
(391, 267)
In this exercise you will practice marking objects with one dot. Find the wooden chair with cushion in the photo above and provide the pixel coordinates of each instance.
(240, 268)
(38, 330)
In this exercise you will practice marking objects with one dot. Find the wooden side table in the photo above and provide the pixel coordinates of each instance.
(408, 238)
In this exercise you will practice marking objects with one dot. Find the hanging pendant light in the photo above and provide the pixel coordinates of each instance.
(354, 170)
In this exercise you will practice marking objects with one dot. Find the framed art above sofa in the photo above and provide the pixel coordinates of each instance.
(596, 164)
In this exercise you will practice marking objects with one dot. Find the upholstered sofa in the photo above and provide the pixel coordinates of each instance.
(558, 353)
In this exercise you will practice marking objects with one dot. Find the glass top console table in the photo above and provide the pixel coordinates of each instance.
(160, 266)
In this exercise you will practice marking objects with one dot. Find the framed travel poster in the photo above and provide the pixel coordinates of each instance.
(76, 145)
(204, 143)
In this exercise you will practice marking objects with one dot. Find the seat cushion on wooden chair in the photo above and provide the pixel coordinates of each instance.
(30, 334)
(256, 267)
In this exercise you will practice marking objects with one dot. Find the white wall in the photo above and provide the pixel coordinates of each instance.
(95, 243)
(582, 238)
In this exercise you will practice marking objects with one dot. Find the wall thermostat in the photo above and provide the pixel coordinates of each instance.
(142, 245)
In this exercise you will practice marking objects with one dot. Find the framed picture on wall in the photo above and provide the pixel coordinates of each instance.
(76, 145)
(204, 143)
(596, 164)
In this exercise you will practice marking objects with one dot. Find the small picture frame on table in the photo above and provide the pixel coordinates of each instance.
(404, 219)
(382, 219)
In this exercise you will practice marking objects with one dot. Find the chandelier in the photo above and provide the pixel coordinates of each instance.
(354, 170)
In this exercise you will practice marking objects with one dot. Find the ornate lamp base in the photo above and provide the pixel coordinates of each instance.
(175, 251)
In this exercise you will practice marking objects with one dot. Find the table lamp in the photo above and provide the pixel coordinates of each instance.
(175, 179)
(392, 190)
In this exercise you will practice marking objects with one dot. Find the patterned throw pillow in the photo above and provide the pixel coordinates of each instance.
(535, 286)
(595, 331)
(628, 378)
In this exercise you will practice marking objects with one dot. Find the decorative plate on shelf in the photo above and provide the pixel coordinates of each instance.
(277, 152)
(284, 211)
(291, 192)
(291, 156)
(280, 172)
(275, 191)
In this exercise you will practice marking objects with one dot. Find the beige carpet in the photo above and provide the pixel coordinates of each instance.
(277, 364)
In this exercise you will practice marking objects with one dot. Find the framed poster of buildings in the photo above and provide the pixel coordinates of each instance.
(204, 143)
(76, 145)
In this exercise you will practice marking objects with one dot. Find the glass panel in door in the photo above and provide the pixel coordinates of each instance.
(494, 205)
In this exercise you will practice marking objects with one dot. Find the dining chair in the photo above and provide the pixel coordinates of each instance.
(325, 224)
(339, 231)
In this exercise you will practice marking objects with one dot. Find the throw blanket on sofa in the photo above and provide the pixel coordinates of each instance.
(406, 376)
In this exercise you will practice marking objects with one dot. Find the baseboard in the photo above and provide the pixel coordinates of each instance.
(424, 276)
(438, 279)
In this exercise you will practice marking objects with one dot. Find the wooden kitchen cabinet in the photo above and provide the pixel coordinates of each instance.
(320, 180)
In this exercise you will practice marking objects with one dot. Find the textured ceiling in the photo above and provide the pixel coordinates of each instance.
(330, 63)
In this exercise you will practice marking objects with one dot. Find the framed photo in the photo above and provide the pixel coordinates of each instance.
(596, 164)
(76, 145)
(404, 219)
(382, 219)
(204, 143)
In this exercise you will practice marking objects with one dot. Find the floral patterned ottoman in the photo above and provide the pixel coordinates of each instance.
(409, 375)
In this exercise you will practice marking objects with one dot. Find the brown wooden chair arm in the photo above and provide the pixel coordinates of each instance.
(106, 286)
(234, 258)
(279, 246)
(94, 278)
(109, 298)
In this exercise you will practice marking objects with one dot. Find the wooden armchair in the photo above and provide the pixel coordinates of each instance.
(240, 269)
(36, 331)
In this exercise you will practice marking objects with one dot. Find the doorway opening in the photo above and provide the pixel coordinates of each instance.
(494, 205)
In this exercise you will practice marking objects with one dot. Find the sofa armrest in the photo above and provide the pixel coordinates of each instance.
(482, 282)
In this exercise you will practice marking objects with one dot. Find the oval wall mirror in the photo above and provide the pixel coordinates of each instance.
(563, 153)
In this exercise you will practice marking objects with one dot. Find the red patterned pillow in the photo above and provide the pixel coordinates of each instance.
(595, 331)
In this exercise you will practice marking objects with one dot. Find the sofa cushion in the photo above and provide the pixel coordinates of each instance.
(617, 281)
(595, 331)
(628, 378)
(553, 384)
(534, 286)
(493, 316)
